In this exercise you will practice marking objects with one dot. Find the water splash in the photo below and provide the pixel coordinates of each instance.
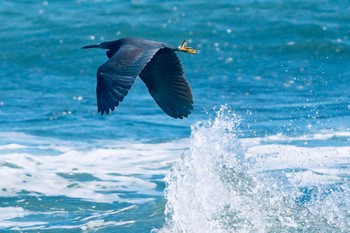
(214, 189)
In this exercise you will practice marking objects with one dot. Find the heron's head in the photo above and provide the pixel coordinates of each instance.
(103, 45)
(112, 47)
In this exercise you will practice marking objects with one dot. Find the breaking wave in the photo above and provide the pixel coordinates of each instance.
(219, 186)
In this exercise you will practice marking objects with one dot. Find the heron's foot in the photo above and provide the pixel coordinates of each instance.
(184, 49)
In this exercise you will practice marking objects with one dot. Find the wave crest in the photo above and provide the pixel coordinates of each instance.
(214, 189)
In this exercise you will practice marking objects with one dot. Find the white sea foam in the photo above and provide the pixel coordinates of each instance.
(11, 212)
(90, 175)
(11, 146)
(218, 182)
(8, 213)
(221, 186)
(282, 138)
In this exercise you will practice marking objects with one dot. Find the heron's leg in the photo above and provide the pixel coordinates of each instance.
(184, 49)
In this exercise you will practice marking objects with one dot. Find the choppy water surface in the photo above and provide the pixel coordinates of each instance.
(267, 148)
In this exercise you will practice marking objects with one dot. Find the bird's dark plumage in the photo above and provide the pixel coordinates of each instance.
(157, 65)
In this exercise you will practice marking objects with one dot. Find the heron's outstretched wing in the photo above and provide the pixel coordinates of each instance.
(164, 77)
(116, 76)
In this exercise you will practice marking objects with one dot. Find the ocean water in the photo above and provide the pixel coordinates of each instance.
(266, 149)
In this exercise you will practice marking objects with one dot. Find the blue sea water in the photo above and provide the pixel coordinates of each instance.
(266, 149)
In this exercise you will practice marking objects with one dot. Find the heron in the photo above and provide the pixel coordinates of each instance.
(158, 66)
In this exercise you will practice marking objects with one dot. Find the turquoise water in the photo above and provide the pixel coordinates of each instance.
(266, 149)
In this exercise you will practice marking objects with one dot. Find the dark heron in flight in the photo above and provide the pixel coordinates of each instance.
(155, 63)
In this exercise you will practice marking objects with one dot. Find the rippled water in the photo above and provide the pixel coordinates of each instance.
(266, 149)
